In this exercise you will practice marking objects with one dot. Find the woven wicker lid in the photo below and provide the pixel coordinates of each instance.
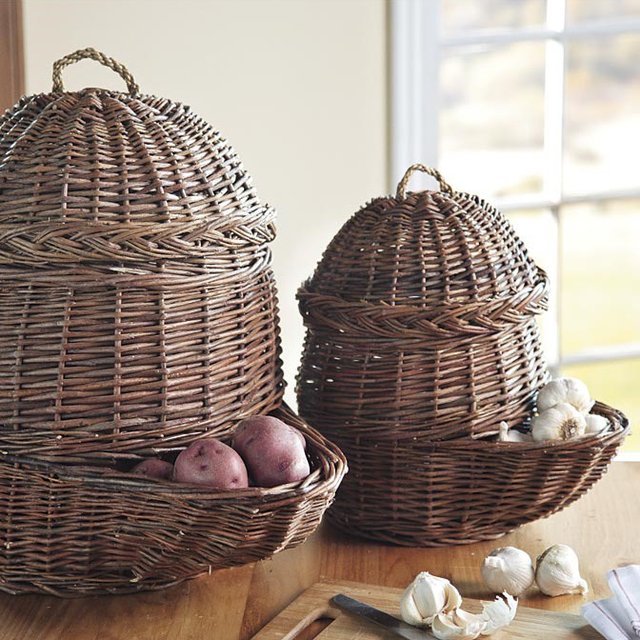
(99, 175)
(429, 250)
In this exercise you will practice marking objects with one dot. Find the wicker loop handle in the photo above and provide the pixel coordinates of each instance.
(92, 54)
(402, 186)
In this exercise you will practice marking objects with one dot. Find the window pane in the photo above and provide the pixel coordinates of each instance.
(615, 384)
(537, 229)
(600, 273)
(587, 10)
(471, 15)
(491, 119)
(602, 115)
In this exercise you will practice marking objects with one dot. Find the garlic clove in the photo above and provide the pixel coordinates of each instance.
(578, 394)
(454, 599)
(565, 390)
(595, 423)
(457, 625)
(509, 570)
(429, 596)
(558, 572)
(499, 613)
(426, 597)
(409, 611)
(460, 624)
(512, 435)
(561, 422)
(473, 623)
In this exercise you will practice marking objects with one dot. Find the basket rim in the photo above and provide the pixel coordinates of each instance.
(445, 320)
(539, 289)
(329, 473)
(614, 435)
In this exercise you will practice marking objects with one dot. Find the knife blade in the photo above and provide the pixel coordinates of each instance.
(382, 619)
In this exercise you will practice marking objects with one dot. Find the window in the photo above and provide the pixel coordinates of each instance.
(533, 105)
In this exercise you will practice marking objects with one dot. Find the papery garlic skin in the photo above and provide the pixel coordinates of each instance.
(426, 597)
(558, 572)
(462, 625)
(508, 570)
(499, 613)
(565, 390)
(595, 423)
(457, 625)
(561, 422)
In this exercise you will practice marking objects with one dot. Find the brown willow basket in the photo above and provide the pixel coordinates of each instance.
(421, 320)
(137, 302)
(73, 530)
(421, 338)
(437, 493)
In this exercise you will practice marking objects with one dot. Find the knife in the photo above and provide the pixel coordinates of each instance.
(380, 618)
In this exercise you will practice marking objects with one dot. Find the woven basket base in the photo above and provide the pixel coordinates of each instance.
(76, 531)
(431, 494)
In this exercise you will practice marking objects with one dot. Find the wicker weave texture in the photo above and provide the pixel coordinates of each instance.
(460, 491)
(420, 320)
(138, 307)
(429, 250)
(403, 389)
(421, 338)
(97, 175)
(73, 531)
(116, 367)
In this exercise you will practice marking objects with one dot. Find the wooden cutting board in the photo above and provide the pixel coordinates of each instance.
(311, 616)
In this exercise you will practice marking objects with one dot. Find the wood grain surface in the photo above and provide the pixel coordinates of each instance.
(315, 604)
(234, 604)
(11, 53)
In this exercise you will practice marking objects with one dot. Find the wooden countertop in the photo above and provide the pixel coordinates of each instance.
(233, 604)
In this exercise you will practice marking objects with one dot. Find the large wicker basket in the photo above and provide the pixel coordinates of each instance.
(74, 531)
(422, 338)
(138, 313)
(137, 302)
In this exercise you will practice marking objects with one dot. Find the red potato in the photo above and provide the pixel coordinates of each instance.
(154, 468)
(273, 451)
(211, 462)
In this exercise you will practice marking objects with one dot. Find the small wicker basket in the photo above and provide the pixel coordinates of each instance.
(438, 493)
(421, 320)
(421, 338)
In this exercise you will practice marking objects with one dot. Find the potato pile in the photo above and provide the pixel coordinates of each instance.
(265, 452)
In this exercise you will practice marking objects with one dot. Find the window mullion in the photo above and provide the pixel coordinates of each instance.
(552, 171)
(415, 79)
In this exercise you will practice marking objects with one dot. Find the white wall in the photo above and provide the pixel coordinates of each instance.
(297, 86)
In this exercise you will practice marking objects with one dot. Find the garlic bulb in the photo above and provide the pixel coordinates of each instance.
(509, 570)
(595, 423)
(565, 390)
(558, 573)
(512, 435)
(426, 597)
(462, 625)
(561, 422)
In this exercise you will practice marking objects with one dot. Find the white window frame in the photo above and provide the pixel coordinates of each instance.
(416, 49)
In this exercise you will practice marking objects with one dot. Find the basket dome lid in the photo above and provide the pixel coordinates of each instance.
(427, 250)
(98, 175)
